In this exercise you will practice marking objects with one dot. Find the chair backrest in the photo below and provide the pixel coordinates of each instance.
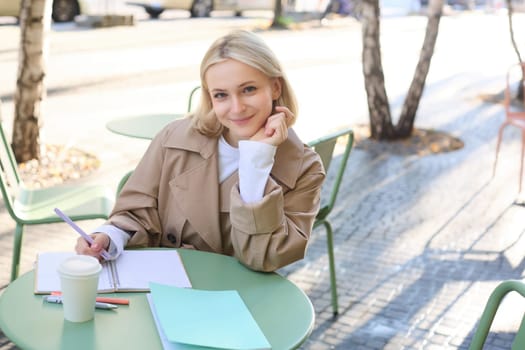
(489, 313)
(123, 181)
(325, 147)
(193, 95)
(9, 178)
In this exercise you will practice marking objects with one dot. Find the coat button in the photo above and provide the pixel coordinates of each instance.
(171, 237)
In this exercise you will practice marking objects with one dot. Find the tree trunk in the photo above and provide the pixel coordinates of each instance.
(381, 126)
(378, 106)
(408, 113)
(520, 94)
(35, 22)
(330, 7)
(277, 15)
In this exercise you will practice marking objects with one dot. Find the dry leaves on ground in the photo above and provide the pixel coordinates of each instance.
(57, 164)
(421, 143)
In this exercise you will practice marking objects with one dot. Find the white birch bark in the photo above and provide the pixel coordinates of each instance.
(35, 23)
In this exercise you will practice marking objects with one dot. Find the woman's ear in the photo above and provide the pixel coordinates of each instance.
(276, 88)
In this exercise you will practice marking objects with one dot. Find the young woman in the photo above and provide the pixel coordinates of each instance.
(232, 178)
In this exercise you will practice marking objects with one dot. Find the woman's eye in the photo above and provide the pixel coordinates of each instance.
(250, 89)
(219, 95)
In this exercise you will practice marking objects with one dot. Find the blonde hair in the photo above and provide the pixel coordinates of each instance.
(245, 47)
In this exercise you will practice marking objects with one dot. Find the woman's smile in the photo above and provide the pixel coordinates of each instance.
(241, 121)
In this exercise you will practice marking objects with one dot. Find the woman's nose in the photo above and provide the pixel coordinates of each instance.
(237, 105)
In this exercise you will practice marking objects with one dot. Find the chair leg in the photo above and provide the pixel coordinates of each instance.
(519, 339)
(498, 144)
(331, 261)
(522, 156)
(17, 246)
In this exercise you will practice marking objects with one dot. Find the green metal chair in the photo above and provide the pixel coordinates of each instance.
(123, 181)
(489, 313)
(193, 94)
(35, 206)
(325, 147)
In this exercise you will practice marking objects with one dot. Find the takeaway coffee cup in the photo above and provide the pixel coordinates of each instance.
(79, 281)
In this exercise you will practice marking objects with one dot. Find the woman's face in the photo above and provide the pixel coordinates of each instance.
(241, 98)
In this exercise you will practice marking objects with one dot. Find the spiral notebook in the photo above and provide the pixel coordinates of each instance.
(131, 272)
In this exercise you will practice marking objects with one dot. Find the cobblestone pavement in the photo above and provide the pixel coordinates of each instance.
(420, 241)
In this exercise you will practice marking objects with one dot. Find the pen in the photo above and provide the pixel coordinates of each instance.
(58, 300)
(120, 301)
(105, 306)
(88, 238)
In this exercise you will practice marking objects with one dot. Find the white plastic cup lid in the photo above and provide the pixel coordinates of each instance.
(79, 266)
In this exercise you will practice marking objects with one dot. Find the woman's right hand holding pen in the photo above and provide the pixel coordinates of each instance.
(101, 242)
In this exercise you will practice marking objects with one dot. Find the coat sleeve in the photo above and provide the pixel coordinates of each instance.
(136, 208)
(274, 232)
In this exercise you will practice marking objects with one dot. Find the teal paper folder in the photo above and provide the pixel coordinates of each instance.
(216, 319)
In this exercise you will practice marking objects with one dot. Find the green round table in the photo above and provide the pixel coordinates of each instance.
(141, 126)
(282, 310)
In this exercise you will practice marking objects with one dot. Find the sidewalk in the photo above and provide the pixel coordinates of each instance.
(420, 241)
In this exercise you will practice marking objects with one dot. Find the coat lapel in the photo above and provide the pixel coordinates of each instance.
(196, 188)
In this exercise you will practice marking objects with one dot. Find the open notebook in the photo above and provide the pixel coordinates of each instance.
(131, 272)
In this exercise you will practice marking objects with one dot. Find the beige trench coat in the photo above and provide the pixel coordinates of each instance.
(173, 199)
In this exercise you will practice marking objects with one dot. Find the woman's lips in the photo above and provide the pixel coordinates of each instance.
(241, 121)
